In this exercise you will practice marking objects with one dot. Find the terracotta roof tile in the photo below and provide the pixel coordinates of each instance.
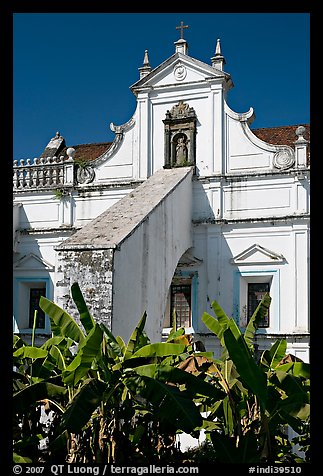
(283, 135)
(88, 152)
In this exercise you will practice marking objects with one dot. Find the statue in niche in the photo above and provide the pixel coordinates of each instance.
(181, 150)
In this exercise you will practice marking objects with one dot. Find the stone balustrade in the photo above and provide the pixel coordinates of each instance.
(44, 172)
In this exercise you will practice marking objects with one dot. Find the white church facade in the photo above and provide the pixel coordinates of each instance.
(187, 205)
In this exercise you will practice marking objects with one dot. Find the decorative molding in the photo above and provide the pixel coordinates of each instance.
(284, 158)
(36, 263)
(85, 174)
(247, 117)
(180, 72)
(181, 110)
(180, 136)
(257, 254)
(115, 146)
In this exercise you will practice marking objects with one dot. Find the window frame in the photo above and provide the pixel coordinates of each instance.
(185, 283)
(185, 275)
(22, 286)
(240, 297)
(262, 283)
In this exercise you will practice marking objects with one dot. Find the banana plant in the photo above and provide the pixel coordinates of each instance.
(261, 396)
(110, 399)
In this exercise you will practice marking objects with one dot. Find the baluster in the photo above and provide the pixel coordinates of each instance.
(35, 173)
(21, 174)
(48, 171)
(41, 174)
(15, 174)
(28, 182)
(61, 175)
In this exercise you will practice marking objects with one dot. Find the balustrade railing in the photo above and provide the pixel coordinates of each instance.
(50, 172)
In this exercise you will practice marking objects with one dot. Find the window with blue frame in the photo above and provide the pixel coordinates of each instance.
(256, 292)
(34, 297)
(249, 288)
(183, 300)
(181, 304)
(27, 293)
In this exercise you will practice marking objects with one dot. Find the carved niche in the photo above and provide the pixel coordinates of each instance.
(180, 136)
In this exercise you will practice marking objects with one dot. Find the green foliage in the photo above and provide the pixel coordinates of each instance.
(262, 397)
(121, 402)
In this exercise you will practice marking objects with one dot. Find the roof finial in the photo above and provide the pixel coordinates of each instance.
(218, 47)
(181, 45)
(218, 60)
(181, 27)
(146, 68)
(146, 59)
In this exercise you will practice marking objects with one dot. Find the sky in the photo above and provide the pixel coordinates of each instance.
(72, 72)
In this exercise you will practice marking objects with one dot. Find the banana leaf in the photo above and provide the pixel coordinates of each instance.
(227, 451)
(220, 314)
(21, 459)
(135, 337)
(17, 342)
(225, 448)
(171, 406)
(298, 369)
(56, 340)
(270, 358)
(87, 352)
(213, 324)
(122, 344)
(81, 408)
(228, 417)
(167, 373)
(112, 342)
(290, 384)
(34, 393)
(58, 356)
(159, 349)
(30, 352)
(258, 315)
(61, 322)
(251, 375)
(296, 407)
(85, 316)
(220, 324)
(175, 333)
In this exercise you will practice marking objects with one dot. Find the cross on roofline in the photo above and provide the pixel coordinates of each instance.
(181, 27)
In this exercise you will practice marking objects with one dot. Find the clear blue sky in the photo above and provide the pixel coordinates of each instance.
(72, 71)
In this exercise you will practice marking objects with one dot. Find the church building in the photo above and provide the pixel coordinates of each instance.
(186, 205)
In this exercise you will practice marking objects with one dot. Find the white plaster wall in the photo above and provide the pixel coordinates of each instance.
(145, 264)
(250, 197)
(41, 244)
(15, 223)
(207, 104)
(123, 163)
(216, 245)
(38, 210)
(43, 210)
(242, 154)
(89, 204)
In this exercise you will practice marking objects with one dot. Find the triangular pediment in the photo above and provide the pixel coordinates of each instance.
(179, 68)
(257, 254)
(32, 262)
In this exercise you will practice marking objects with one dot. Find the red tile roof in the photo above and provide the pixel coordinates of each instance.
(88, 152)
(283, 135)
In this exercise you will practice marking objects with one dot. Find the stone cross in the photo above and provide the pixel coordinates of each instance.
(181, 27)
